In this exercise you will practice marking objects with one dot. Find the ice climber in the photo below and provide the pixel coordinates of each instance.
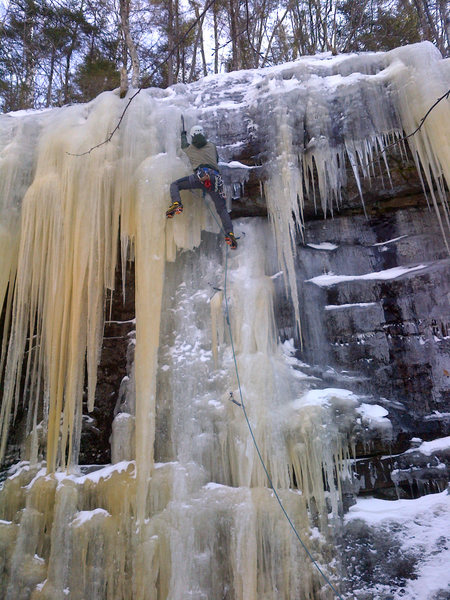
(204, 158)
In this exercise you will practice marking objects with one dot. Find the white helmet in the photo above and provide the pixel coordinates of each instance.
(197, 130)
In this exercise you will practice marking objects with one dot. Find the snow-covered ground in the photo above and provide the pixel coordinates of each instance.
(420, 529)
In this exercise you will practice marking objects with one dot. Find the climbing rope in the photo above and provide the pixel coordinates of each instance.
(242, 405)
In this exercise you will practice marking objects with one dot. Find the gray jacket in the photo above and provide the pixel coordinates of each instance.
(206, 156)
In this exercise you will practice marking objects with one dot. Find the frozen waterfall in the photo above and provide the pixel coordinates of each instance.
(184, 512)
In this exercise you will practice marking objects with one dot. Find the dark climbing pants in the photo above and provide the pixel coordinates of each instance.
(213, 187)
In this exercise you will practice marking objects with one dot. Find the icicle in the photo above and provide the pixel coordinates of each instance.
(217, 325)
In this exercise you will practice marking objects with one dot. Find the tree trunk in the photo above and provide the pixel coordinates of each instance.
(170, 42)
(198, 43)
(194, 50)
(125, 22)
(70, 51)
(27, 93)
(236, 60)
(274, 30)
(216, 38)
(202, 50)
(50, 79)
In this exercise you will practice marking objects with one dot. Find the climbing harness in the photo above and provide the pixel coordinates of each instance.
(204, 175)
(242, 405)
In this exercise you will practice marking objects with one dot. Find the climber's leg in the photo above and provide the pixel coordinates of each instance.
(185, 183)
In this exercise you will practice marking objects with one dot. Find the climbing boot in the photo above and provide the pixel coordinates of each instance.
(231, 240)
(174, 209)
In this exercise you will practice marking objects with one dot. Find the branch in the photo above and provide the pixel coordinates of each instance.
(269, 45)
(247, 29)
(232, 39)
(148, 79)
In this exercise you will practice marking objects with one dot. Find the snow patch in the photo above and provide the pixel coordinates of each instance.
(326, 396)
(374, 511)
(214, 486)
(86, 515)
(354, 305)
(332, 279)
(372, 411)
(323, 246)
(437, 445)
(390, 241)
(235, 164)
(421, 526)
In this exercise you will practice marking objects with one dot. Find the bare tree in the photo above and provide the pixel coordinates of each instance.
(235, 34)
(434, 20)
(198, 43)
(131, 46)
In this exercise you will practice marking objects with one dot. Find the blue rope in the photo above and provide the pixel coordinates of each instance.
(252, 434)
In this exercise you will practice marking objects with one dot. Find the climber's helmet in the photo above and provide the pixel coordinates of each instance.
(198, 138)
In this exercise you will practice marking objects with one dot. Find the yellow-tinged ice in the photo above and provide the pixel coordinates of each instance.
(204, 521)
(64, 250)
(430, 146)
(217, 324)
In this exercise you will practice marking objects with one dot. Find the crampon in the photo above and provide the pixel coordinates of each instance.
(231, 240)
(174, 209)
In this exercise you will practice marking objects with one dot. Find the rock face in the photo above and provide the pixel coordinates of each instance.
(388, 331)
(392, 326)
(117, 344)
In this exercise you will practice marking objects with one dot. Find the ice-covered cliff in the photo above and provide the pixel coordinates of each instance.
(185, 510)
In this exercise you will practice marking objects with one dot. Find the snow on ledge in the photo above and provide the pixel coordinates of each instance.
(323, 246)
(372, 411)
(428, 448)
(326, 396)
(83, 516)
(355, 305)
(103, 473)
(332, 279)
(390, 241)
(375, 418)
(107, 471)
(235, 164)
(374, 511)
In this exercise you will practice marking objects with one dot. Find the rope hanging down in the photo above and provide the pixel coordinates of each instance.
(242, 404)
